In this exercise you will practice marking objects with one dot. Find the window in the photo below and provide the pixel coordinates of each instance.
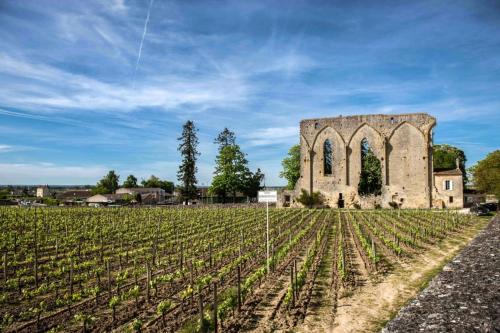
(370, 178)
(448, 185)
(316, 125)
(451, 199)
(327, 157)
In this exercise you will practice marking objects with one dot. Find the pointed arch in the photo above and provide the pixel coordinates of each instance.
(361, 127)
(324, 129)
(400, 125)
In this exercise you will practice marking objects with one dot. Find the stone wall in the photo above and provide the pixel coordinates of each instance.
(402, 143)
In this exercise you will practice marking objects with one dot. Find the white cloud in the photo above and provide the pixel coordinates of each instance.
(5, 148)
(60, 90)
(273, 135)
(48, 173)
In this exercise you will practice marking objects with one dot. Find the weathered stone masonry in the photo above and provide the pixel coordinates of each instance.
(402, 143)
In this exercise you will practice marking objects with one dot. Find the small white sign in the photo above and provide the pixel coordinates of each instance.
(268, 196)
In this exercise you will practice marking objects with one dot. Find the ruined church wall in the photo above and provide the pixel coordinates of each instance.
(402, 143)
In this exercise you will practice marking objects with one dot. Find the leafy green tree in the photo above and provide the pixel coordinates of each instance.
(108, 184)
(4, 194)
(370, 178)
(291, 167)
(225, 138)
(187, 170)
(252, 183)
(444, 157)
(131, 182)
(486, 174)
(154, 181)
(230, 172)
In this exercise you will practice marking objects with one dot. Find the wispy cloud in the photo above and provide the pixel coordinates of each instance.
(142, 41)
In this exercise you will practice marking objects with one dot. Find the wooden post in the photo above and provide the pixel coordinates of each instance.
(200, 305)
(210, 254)
(292, 286)
(239, 288)
(109, 278)
(295, 279)
(216, 328)
(148, 291)
(71, 276)
(5, 267)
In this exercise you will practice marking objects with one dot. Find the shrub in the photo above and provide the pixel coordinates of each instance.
(394, 205)
(309, 200)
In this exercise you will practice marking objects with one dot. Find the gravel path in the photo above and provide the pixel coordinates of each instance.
(464, 297)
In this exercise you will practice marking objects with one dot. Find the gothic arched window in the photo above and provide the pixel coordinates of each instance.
(327, 157)
(370, 178)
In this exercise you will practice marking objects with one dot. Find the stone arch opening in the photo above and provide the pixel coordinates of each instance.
(370, 178)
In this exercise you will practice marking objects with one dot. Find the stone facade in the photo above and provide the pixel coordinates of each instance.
(402, 143)
(448, 189)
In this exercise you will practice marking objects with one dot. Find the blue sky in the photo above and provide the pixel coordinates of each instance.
(77, 100)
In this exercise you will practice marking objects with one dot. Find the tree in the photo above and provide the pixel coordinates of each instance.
(187, 170)
(444, 157)
(230, 172)
(154, 181)
(108, 184)
(131, 182)
(291, 167)
(370, 178)
(486, 174)
(252, 183)
(225, 138)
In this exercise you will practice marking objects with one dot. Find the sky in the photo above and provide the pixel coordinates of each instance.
(90, 86)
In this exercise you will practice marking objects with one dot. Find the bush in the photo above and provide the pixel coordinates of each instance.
(315, 199)
(394, 205)
(357, 205)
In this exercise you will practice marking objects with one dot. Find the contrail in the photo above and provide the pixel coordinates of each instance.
(142, 41)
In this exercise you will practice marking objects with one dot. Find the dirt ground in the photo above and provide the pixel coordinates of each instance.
(369, 307)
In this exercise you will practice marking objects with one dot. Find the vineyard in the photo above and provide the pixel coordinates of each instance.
(191, 270)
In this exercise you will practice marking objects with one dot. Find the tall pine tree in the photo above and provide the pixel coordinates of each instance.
(187, 170)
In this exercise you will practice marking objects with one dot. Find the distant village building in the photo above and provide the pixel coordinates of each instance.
(73, 197)
(149, 195)
(332, 152)
(105, 199)
(42, 191)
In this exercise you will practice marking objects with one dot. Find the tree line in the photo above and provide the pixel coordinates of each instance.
(232, 175)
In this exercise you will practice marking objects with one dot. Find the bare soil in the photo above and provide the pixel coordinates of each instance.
(373, 303)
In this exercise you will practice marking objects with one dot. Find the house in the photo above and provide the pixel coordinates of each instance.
(42, 191)
(73, 197)
(151, 195)
(105, 199)
(448, 191)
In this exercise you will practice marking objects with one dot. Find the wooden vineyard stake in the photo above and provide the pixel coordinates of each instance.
(109, 277)
(295, 277)
(239, 288)
(148, 289)
(216, 328)
(292, 285)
